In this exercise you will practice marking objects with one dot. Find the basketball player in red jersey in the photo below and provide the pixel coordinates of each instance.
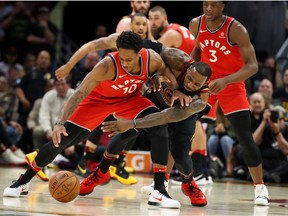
(224, 44)
(137, 7)
(178, 36)
(113, 84)
(171, 35)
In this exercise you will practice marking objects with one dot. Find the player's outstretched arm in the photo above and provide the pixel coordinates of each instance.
(169, 115)
(95, 45)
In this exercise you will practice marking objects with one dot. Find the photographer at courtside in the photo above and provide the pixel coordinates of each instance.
(270, 133)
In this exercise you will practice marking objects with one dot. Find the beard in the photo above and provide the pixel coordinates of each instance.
(156, 32)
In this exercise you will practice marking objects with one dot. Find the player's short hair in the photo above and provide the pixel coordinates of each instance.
(202, 68)
(129, 40)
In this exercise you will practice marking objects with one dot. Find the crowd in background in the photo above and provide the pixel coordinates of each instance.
(31, 98)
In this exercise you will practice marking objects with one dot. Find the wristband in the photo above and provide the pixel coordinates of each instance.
(59, 123)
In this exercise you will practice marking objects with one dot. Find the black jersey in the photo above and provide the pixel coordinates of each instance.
(153, 44)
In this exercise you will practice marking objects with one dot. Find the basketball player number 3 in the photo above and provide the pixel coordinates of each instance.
(130, 89)
(213, 56)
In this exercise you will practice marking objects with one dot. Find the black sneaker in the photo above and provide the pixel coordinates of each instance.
(81, 169)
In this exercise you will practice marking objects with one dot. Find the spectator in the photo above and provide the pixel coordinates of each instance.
(266, 88)
(10, 59)
(90, 61)
(281, 93)
(31, 87)
(101, 31)
(42, 35)
(16, 25)
(10, 154)
(29, 63)
(221, 141)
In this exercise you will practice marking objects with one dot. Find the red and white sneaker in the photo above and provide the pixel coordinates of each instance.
(17, 189)
(94, 179)
(162, 200)
(195, 194)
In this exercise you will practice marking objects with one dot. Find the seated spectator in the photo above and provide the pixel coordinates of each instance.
(221, 141)
(281, 93)
(33, 125)
(266, 89)
(280, 132)
(51, 104)
(31, 87)
(12, 131)
(10, 59)
(90, 61)
(268, 127)
(10, 154)
(29, 63)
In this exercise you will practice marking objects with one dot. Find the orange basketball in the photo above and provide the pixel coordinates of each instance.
(64, 186)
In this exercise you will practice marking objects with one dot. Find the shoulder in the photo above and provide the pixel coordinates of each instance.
(154, 55)
(194, 24)
(172, 32)
(104, 70)
(50, 94)
(123, 24)
(238, 32)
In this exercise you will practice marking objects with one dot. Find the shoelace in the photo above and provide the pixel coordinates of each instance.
(195, 191)
(91, 179)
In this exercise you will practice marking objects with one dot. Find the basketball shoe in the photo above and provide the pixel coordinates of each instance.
(85, 167)
(29, 159)
(94, 179)
(261, 195)
(200, 180)
(7, 157)
(149, 188)
(195, 194)
(162, 200)
(18, 188)
(119, 173)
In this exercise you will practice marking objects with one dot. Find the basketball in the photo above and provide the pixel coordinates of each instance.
(64, 186)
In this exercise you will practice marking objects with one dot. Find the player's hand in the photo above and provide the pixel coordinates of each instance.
(184, 99)
(56, 134)
(217, 85)
(63, 71)
(115, 127)
(155, 83)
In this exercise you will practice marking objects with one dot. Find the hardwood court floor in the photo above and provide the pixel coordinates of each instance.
(117, 199)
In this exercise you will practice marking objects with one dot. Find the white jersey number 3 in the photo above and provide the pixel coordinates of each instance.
(213, 56)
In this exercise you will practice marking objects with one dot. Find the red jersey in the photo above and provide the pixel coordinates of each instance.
(223, 57)
(124, 84)
(187, 38)
(120, 95)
